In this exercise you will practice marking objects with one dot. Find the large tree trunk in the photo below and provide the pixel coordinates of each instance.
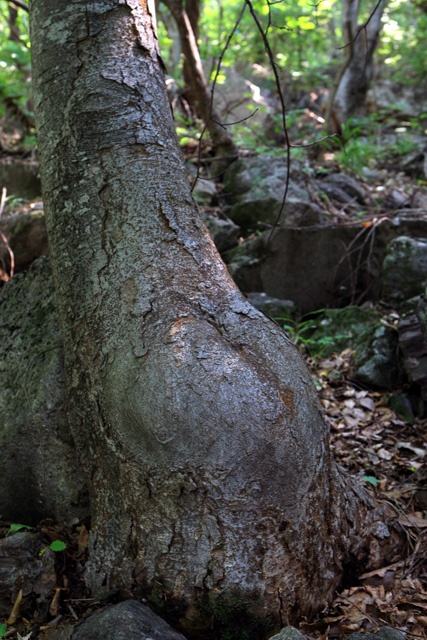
(194, 416)
(353, 80)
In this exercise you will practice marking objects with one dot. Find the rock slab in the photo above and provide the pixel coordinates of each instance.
(404, 268)
(22, 568)
(129, 620)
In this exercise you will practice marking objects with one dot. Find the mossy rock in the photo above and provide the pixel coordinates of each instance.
(247, 254)
(404, 270)
(333, 330)
(254, 190)
(376, 357)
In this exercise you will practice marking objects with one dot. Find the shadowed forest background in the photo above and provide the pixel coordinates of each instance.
(303, 128)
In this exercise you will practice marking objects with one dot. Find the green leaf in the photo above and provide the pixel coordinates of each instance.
(371, 479)
(3, 628)
(14, 527)
(58, 545)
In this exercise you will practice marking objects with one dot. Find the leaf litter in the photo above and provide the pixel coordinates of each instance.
(373, 442)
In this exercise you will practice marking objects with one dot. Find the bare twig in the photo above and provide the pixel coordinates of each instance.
(2, 200)
(11, 254)
(218, 67)
(362, 26)
(311, 144)
(229, 124)
(283, 111)
(19, 4)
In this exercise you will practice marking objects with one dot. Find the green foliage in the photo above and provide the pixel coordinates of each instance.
(375, 141)
(15, 66)
(3, 629)
(404, 41)
(302, 332)
(14, 527)
(15, 58)
(56, 545)
(297, 39)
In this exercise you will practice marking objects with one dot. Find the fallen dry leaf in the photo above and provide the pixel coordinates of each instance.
(411, 520)
(14, 614)
(83, 538)
(54, 605)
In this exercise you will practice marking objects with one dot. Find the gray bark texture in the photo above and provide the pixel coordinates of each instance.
(212, 489)
(40, 476)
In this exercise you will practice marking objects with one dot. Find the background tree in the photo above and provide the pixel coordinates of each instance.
(347, 98)
(16, 117)
(194, 416)
(186, 15)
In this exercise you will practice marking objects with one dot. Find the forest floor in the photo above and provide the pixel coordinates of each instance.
(371, 441)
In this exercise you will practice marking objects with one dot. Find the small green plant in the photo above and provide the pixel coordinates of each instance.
(302, 335)
(56, 545)
(364, 144)
(3, 628)
(14, 527)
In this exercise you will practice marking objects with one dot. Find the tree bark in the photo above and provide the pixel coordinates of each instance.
(347, 99)
(194, 416)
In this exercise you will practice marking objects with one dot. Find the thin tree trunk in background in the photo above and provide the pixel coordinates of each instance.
(13, 29)
(197, 91)
(169, 23)
(213, 491)
(347, 98)
(192, 9)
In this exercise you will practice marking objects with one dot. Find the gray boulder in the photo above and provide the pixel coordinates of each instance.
(321, 267)
(273, 307)
(204, 191)
(404, 269)
(247, 256)
(26, 235)
(379, 360)
(40, 474)
(20, 178)
(22, 567)
(387, 633)
(288, 633)
(342, 187)
(223, 230)
(413, 345)
(129, 620)
(254, 190)
(358, 635)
